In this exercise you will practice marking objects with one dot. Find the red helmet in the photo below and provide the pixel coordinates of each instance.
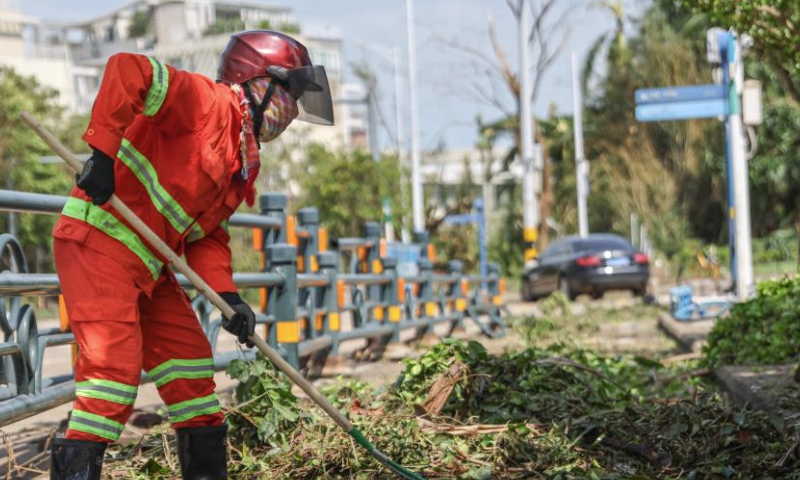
(261, 53)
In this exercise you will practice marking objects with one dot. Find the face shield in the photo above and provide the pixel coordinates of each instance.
(309, 85)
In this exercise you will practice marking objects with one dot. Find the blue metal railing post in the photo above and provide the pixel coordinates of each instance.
(272, 205)
(422, 238)
(454, 292)
(282, 303)
(372, 233)
(329, 300)
(429, 307)
(308, 248)
(390, 296)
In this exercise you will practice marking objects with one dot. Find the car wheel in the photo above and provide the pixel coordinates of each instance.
(564, 288)
(640, 291)
(598, 295)
(527, 296)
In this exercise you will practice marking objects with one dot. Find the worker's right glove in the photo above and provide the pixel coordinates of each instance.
(97, 177)
(243, 323)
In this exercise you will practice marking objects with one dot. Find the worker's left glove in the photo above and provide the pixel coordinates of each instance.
(97, 177)
(243, 323)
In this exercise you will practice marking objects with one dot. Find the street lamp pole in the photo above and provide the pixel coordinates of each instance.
(741, 187)
(581, 165)
(416, 183)
(394, 57)
(530, 210)
(400, 133)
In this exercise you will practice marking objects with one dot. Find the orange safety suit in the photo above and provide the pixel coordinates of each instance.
(175, 138)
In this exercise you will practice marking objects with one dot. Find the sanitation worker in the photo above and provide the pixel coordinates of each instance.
(182, 151)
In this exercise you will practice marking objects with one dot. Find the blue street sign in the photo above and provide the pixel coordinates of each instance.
(459, 219)
(679, 94)
(654, 112)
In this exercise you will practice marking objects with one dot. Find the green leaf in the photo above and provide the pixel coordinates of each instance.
(152, 467)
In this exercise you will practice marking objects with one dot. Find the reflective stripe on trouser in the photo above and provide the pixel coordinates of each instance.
(189, 409)
(119, 332)
(95, 424)
(182, 368)
(107, 390)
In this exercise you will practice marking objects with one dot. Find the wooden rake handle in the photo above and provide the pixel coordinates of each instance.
(193, 277)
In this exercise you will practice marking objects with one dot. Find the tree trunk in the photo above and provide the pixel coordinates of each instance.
(797, 227)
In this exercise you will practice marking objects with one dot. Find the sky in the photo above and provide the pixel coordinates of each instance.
(448, 104)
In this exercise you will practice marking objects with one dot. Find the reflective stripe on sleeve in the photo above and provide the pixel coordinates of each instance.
(146, 173)
(158, 88)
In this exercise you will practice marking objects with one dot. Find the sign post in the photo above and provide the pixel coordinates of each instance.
(710, 101)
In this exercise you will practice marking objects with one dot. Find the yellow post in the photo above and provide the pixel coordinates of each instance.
(531, 236)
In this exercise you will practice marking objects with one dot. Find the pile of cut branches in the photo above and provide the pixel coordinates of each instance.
(458, 412)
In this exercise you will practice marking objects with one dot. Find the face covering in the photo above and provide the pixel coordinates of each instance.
(280, 111)
(278, 114)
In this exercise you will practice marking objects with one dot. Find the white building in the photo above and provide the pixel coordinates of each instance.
(354, 115)
(444, 173)
(188, 34)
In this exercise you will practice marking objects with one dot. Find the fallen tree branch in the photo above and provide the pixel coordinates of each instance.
(681, 358)
(442, 388)
(427, 426)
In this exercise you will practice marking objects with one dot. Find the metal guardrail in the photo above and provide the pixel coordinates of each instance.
(304, 294)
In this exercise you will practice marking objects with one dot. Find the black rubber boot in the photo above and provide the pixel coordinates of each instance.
(203, 452)
(76, 459)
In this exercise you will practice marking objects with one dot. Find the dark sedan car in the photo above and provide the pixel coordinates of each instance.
(593, 264)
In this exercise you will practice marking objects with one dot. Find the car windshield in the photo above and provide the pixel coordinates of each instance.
(602, 244)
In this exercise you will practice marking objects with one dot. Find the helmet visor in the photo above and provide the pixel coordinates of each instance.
(310, 86)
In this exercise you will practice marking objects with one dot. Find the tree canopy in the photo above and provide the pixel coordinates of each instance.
(774, 25)
(20, 152)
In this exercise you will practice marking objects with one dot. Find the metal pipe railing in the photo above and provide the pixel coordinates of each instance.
(364, 279)
(304, 296)
(13, 201)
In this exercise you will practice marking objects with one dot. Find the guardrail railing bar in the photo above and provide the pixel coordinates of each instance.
(302, 285)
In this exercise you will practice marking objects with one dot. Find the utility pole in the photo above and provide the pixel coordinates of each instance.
(581, 165)
(405, 236)
(416, 182)
(399, 132)
(530, 209)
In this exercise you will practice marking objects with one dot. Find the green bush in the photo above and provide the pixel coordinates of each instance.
(764, 330)
(780, 246)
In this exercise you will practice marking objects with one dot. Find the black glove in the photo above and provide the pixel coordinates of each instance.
(243, 323)
(97, 177)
